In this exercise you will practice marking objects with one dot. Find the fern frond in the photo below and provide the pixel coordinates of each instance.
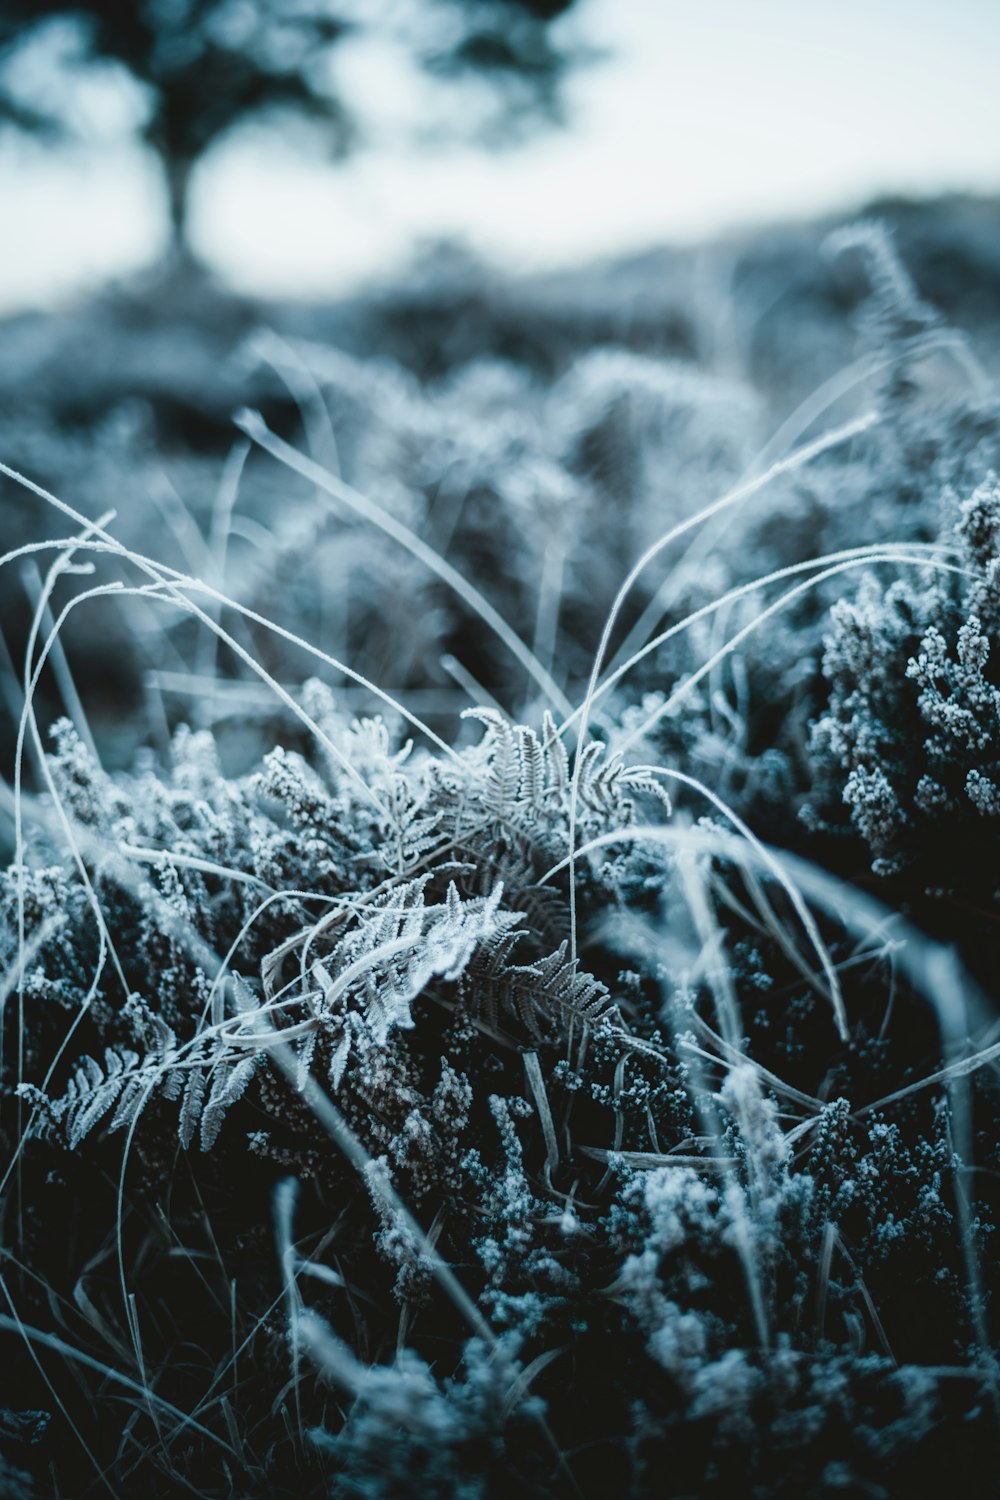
(527, 785)
(192, 1103)
(229, 1085)
(542, 995)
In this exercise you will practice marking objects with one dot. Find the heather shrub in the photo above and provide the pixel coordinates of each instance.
(454, 1048)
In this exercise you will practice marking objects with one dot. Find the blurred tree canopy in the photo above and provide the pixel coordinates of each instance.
(206, 66)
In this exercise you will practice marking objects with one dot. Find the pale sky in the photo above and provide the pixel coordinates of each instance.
(710, 114)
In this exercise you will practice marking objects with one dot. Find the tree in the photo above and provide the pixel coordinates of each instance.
(206, 66)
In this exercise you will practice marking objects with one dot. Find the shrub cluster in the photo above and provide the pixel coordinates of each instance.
(547, 1098)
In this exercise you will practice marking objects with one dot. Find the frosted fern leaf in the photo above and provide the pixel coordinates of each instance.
(366, 986)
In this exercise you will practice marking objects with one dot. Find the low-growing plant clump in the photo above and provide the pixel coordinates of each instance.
(522, 1020)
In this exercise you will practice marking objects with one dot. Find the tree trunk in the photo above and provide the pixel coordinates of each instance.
(177, 171)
